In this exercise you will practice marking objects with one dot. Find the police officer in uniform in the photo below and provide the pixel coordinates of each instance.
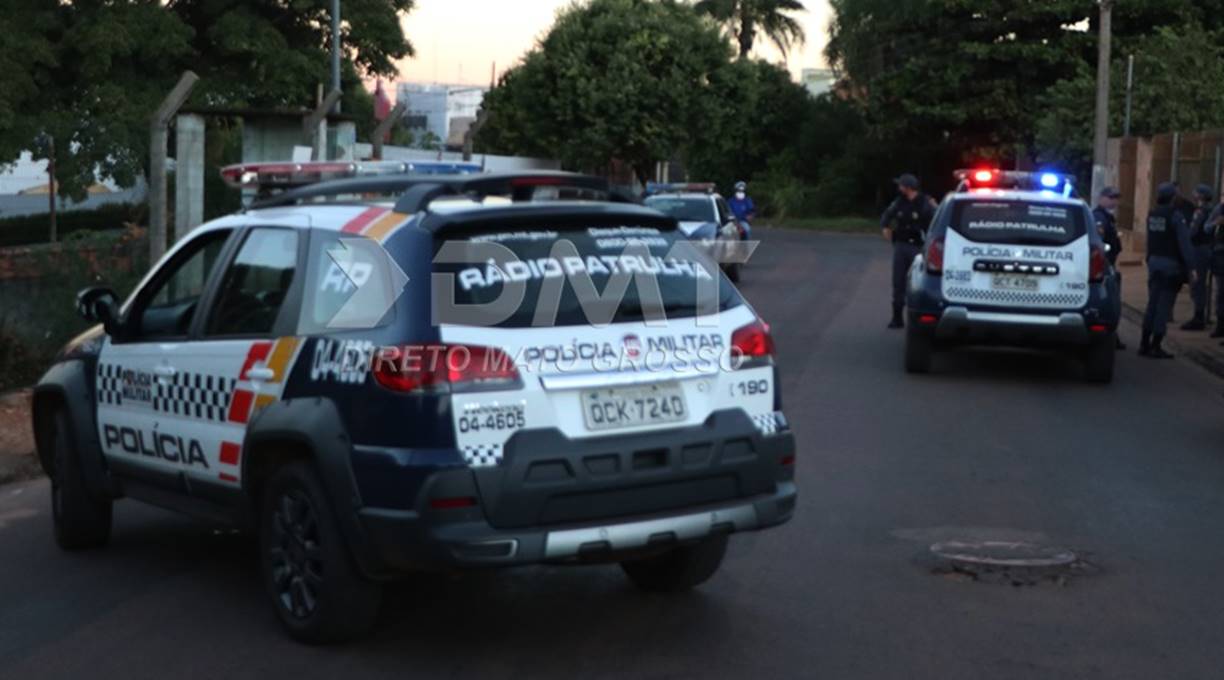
(1170, 262)
(1200, 241)
(1215, 232)
(1107, 225)
(912, 212)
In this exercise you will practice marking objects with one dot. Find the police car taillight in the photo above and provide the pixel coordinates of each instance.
(935, 256)
(443, 368)
(753, 341)
(1097, 264)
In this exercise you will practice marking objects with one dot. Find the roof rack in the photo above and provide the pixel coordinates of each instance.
(416, 192)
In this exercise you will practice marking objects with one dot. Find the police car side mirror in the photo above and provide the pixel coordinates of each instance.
(99, 304)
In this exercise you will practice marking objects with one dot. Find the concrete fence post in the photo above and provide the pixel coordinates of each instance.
(188, 174)
(157, 162)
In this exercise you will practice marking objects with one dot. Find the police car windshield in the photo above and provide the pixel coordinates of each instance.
(684, 209)
(990, 220)
(573, 277)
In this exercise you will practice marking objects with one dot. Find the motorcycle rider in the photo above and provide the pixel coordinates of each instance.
(743, 207)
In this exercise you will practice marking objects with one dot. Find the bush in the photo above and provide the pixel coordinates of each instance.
(31, 229)
(38, 314)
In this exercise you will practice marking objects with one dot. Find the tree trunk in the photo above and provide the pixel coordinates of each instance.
(747, 34)
(51, 192)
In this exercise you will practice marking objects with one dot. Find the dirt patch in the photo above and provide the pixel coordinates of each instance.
(17, 460)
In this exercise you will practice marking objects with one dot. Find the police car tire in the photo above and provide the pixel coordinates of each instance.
(345, 604)
(1099, 361)
(680, 568)
(81, 521)
(733, 272)
(919, 350)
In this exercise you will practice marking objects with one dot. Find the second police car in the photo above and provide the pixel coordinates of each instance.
(704, 217)
(453, 376)
(1014, 259)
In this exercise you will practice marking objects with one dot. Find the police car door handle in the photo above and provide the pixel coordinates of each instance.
(261, 374)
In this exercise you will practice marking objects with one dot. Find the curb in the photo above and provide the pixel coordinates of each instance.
(1212, 364)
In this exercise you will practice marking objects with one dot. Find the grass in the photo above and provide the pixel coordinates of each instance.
(841, 225)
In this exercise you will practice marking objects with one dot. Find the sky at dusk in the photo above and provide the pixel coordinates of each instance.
(457, 41)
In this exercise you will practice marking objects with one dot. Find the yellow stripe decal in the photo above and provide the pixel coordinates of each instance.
(282, 352)
(384, 225)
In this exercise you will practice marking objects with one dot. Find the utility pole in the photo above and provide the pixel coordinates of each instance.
(1100, 143)
(1130, 87)
(335, 55)
(52, 190)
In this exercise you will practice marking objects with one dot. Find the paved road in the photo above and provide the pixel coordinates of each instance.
(996, 445)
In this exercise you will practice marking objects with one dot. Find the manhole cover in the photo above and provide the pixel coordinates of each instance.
(1011, 562)
(1003, 555)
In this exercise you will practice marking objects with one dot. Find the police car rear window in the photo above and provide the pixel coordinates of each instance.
(684, 209)
(574, 276)
(997, 221)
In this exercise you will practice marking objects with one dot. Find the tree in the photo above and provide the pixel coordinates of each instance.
(744, 19)
(976, 96)
(627, 80)
(757, 113)
(88, 74)
(1178, 73)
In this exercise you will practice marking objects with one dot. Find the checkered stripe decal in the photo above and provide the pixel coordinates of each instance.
(766, 423)
(195, 395)
(1013, 297)
(482, 455)
(110, 384)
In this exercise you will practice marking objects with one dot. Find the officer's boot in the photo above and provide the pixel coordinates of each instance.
(1145, 343)
(1158, 352)
(1118, 342)
(897, 321)
(1195, 324)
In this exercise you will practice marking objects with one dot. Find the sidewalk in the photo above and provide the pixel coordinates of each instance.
(1195, 346)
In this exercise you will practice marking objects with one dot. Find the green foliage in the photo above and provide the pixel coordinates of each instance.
(83, 78)
(744, 19)
(38, 316)
(30, 229)
(1178, 77)
(757, 113)
(627, 80)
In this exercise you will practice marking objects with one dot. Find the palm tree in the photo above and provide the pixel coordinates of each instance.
(745, 18)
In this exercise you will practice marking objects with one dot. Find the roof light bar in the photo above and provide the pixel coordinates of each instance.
(984, 178)
(283, 175)
(653, 188)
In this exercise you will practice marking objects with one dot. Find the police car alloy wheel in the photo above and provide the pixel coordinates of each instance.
(318, 593)
(81, 521)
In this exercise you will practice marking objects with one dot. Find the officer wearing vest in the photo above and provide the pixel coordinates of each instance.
(1107, 225)
(1170, 262)
(1200, 241)
(912, 212)
(1216, 236)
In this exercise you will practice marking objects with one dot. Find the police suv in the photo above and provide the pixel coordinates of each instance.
(459, 375)
(1014, 259)
(704, 216)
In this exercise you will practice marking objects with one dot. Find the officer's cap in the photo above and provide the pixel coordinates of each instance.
(1204, 191)
(1166, 192)
(1110, 192)
(908, 181)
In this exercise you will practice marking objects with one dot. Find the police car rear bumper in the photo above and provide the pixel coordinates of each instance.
(405, 540)
(962, 325)
(554, 499)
